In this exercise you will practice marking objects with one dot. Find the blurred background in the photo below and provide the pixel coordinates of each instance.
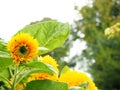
(87, 48)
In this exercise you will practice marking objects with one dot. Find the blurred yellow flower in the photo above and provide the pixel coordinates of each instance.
(23, 47)
(74, 78)
(49, 60)
(19, 87)
(40, 76)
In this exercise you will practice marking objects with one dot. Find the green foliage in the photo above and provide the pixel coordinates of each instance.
(33, 67)
(5, 72)
(25, 74)
(5, 62)
(46, 85)
(40, 67)
(50, 34)
(65, 69)
(5, 59)
(103, 55)
(58, 53)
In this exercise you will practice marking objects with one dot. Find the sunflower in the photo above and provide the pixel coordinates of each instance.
(74, 78)
(49, 60)
(23, 47)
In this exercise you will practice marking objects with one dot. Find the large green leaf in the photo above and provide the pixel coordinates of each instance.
(4, 54)
(40, 67)
(5, 62)
(46, 85)
(50, 34)
(5, 73)
(5, 59)
(34, 67)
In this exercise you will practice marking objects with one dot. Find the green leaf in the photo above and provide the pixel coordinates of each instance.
(4, 54)
(76, 88)
(43, 48)
(5, 59)
(65, 69)
(41, 67)
(5, 73)
(84, 85)
(5, 62)
(34, 67)
(50, 34)
(46, 85)
(80, 87)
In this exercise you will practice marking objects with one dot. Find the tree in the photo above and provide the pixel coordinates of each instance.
(102, 55)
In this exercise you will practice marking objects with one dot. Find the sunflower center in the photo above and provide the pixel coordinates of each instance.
(23, 50)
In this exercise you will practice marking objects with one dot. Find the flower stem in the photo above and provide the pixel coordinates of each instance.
(11, 73)
(21, 77)
(14, 78)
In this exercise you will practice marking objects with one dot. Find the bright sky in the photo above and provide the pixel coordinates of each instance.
(15, 14)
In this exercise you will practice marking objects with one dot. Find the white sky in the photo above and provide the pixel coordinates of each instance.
(15, 14)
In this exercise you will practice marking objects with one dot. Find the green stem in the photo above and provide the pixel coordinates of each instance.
(11, 73)
(20, 71)
(21, 77)
(14, 78)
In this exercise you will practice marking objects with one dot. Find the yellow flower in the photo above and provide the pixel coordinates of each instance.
(74, 78)
(19, 87)
(49, 60)
(40, 76)
(23, 47)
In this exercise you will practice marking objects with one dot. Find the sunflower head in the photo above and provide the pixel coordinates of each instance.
(23, 47)
(74, 78)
